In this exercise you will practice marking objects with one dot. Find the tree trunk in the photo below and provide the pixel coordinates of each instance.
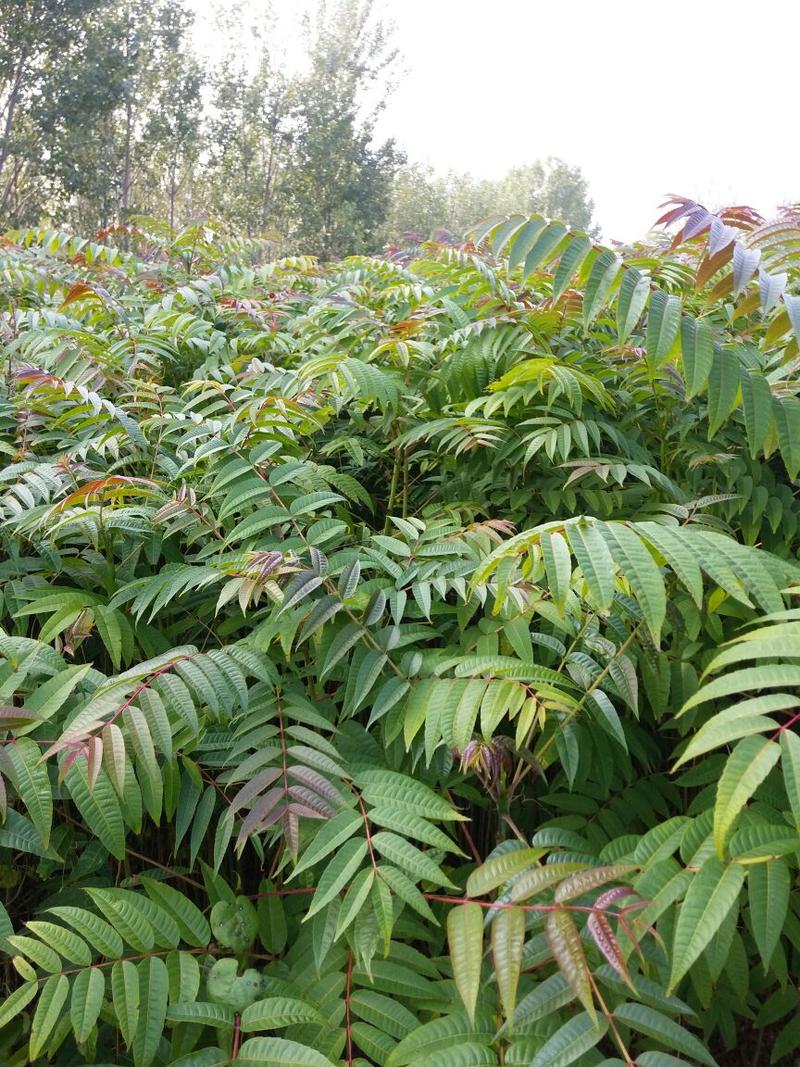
(11, 107)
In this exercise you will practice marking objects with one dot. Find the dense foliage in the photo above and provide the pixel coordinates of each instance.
(397, 656)
(109, 109)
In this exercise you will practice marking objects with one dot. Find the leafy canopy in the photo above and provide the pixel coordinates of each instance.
(398, 659)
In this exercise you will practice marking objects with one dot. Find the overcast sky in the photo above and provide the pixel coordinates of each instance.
(697, 97)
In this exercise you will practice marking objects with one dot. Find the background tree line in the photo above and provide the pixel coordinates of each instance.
(108, 111)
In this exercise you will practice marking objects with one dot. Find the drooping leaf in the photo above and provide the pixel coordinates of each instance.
(465, 938)
(508, 938)
(564, 939)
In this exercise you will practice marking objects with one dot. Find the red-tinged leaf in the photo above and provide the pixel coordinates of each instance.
(306, 812)
(251, 789)
(720, 237)
(585, 881)
(114, 755)
(115, 484)
(77, 734)
(312, 779)
(291, 831)
(68, 762)
(618, 892)
(262, 815)
(12, 718)
(712, 264)
(564, 939)
(79, 291)
(309, 800)
(94, 759)
(603, 936)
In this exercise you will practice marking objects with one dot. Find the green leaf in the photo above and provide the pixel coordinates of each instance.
(641, 572)
(465, 939)
(126, 915)
(557, 565)
(234, 923)
(713, 891)
(537, 879)
(542, 249)
(571, 1041)
(787, 418)
(153, 994)
(595, 562)
(768, 888)
(149, 773)
(337, 874)
(100, 934)
(523, 240)
(582, 882)
(574, 254)
(12, 1005)
(50, 697)
(272, 929)
(183, 971)
(790, 764)
(757, 409)
(508, 939)
(125, 997)
(88, 990)
(663, 320)
(402, 886)
(409, 858)
(41, 954)
(740, 720)
(652, 1023)
(697, 347)
(746, 768)
(99, 807)
(723, 389)
(380, 787)
(354, 899)
(792, 304)
(678, 553)
(108, 626)
(330, 837)
(205, 1013)
(73, 948)
(276, 1012)
(633, 292)
(22, 762)
(193, 925)
(603, 274)
(774, 677)
(51, 1003)
(543, 1000)
(439, 1036)
(277, 1052)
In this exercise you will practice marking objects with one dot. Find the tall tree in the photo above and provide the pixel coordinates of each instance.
(250, 131)
(550, 186)
(172, 139)
(43, 44)
(423, 201)
(340, 180)
(157, 106)
(100, 108)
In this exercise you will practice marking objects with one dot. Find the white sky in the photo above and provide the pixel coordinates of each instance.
(697, 97)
